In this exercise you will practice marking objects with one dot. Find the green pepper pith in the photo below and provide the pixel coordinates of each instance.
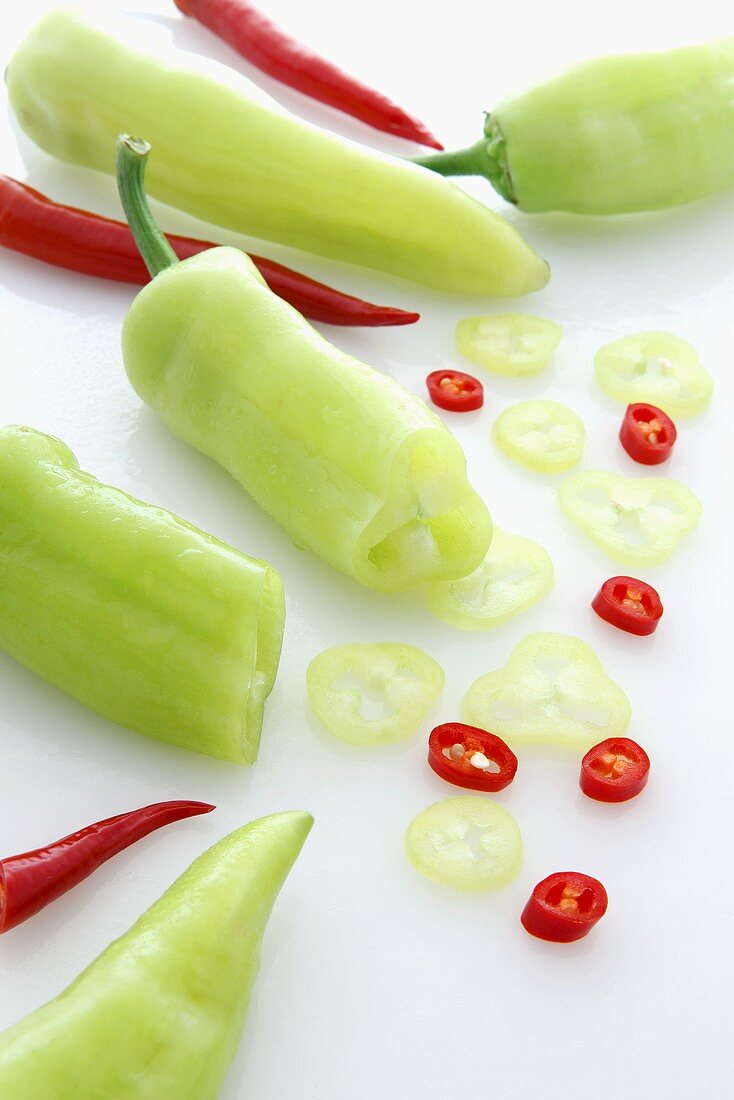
(139, 615)
(351, 464)
(611, 136)
(255, 169)
(158, 1015)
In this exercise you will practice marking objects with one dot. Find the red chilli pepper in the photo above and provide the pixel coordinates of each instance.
(647, 434)
(92, 245)
(614, 770)
(629, 605)
(270, 49)
(455, 391)
(30, 881)
(471, 757)
(564, 907)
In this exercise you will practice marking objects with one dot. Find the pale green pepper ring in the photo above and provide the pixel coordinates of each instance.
(470, 843)
(516, 573)
(516, 345)
(654, 367)
(638, 521)
(401, 681)
(544, 436)
(553, 690)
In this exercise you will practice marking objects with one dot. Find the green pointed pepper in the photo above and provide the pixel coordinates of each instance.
(351, 464)
(142, 617)
(257, 170)
(612, 136)
(158, 1015)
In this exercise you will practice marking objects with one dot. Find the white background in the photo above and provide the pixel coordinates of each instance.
(375, 982)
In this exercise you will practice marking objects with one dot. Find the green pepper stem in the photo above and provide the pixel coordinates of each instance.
(487, 158)
(132, 158)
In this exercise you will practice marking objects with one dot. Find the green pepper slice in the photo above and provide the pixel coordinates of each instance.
(516, 345)
(638, 521)
(656, 368)
(403, 680)
(544, 436)
(467, 842)
(552, 690)
(516, 573)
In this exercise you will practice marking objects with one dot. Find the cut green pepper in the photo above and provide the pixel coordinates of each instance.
(142, 617)
(351, 464)
(516, 345)
(403, 680)
(158, 1015)
(515, 574)
(256, 169)
(545, 436)
(638, 521)
(468, 842)
(654, 367)
(552, 690)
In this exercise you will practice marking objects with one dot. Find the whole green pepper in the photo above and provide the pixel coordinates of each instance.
(354, 466)
(142, 617)
(612, 136)
(255, 169)
(158, 1015)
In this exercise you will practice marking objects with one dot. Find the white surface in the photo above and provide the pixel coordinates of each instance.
(376, 983)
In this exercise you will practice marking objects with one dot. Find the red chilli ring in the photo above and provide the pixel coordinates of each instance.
(453, 746)
(564, 907)
(455, 391)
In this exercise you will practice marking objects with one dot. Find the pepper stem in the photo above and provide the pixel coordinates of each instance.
(487, 157)
(132, 158)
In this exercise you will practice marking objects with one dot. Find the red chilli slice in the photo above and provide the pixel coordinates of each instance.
(614, 770)
(629, 604)
(564, 907)
(647, 434)
(455, 391)
(471, 757)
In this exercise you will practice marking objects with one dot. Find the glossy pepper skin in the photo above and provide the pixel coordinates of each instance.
(158, 1015)
(31, 880)
(614, 135)
(352, 465)
(257, 170)
(145, 619)
(264, 44)
(80, 241)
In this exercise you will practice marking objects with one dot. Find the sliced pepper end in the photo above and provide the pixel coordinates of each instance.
(433, 525)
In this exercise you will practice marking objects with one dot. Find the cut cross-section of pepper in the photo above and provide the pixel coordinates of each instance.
(516, 573)
(564, 907)
(471, 757)
(516, 345)
(657, 367)
(455, 391)
(647, 434)
(401, 681)
(629, 604)
(615, 770)
(542, 435)
(470, 843)
(554, 690)
(636, 520)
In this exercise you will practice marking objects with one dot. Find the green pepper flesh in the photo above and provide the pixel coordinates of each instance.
(255, 169)
(142, 617)
(158, 1015)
